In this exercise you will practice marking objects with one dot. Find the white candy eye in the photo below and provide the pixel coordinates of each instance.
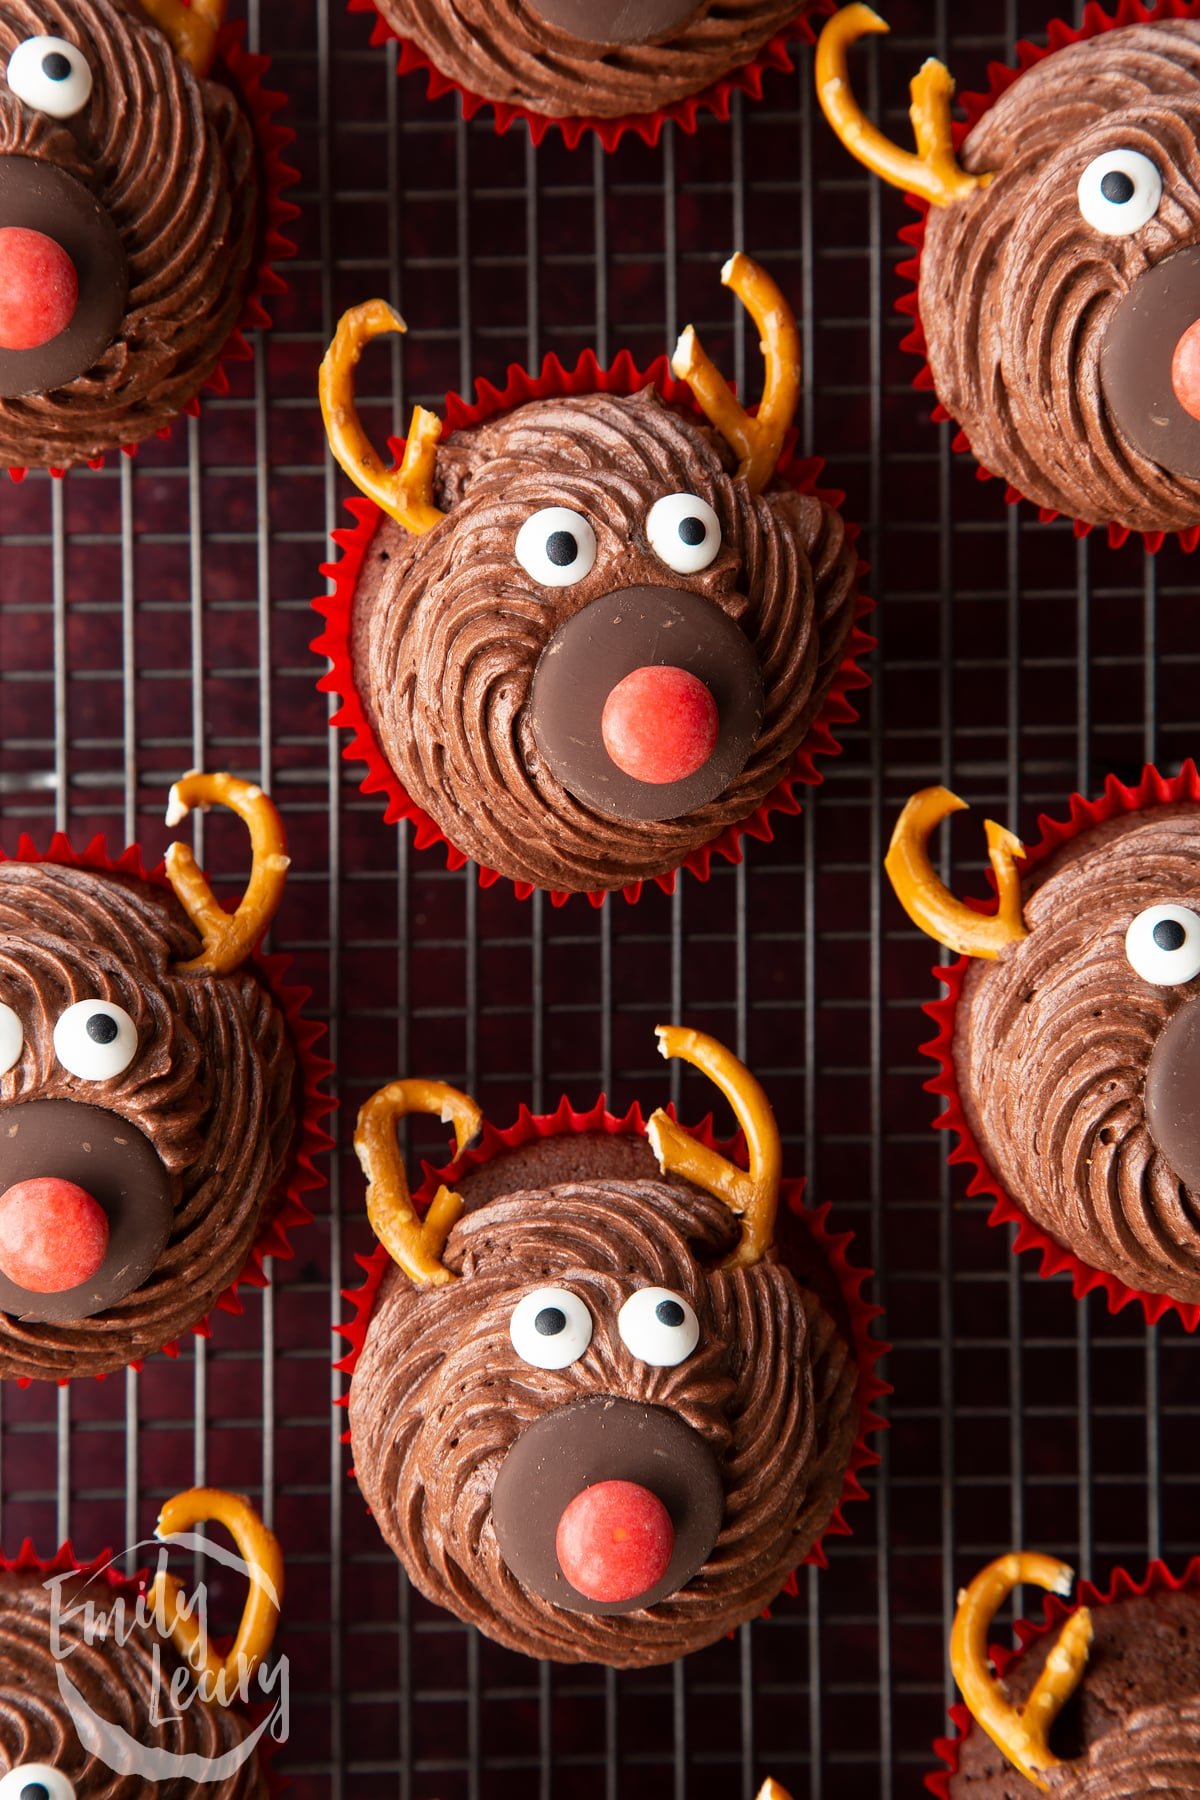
(550, 1328)
(1119, 191)
(95, 1040)
(1163, 945)
(12, 1038)
(36, 1781)
(52, 75)
(658, 1327)
(556, 546)
(684, 532)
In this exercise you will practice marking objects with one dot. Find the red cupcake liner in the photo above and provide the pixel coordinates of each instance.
(1152, 790)
(245, 72)
(1001, 77)
(587, 377)
(102, 1568)
(716, 100)
(288, 1210)
(833, 1246)
(1158, 1579)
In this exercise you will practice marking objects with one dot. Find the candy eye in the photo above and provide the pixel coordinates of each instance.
(52, 75)
(95, 1040)
(1163, 945)
(550, 1328)
(556, 546)
(1119, 191)
(36, 1781)
(12, 1038)
(658, 1327)
(684, 532)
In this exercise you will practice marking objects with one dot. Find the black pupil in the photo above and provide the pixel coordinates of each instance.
(101, 1029)
(550, 1321)
(55, 67)
(1117, 187)
(35, 1790)
(562, 549)
(669, 1312)
(691, 531)
(1169, 934)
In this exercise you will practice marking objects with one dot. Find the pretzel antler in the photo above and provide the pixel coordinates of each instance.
(406, 493)
(758, 441)
(926, 899)
(1022, 1733)
(414, 1244)
(260, 1551)
(192, 29)
(753, 1194)
(228, 937)
(934, 172)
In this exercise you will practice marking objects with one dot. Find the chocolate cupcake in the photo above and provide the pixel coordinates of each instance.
(159, 1100)
(139, 215)
(97, 1698)
(601, 627)
(1057, 279)
(599, 65)
(594, 1414)
(1069, 1042)
(1099, 1702)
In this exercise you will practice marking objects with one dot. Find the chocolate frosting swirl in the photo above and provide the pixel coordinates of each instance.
(1132, 1726)
(212, 1088)
(172, 160)
(505, 50)
(439, 1396)
(448, 628)
(126, 1684)
(1052, 1043)
(1017, 291)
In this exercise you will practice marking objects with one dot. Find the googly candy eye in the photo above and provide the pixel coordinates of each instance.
(36, 1781)
(95, 1040)
(550, 1328)
(1163, 945)
(556, 546)
(52, 75)
(658, 1327)
(684, 532)
(12, 1038)
(1119, 192)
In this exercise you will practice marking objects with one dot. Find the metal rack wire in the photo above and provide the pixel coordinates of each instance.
(156, 615)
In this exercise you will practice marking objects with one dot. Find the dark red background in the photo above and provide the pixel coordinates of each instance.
(156, 615)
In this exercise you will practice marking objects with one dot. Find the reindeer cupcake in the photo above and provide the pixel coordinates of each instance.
(137, 207)
(594, 633)
(593, 1410)
(1069, 1042)
(1058, 268)
(158, 1098)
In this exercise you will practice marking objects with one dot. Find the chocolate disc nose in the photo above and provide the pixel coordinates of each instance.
(583, 1449)
(1150, 364)
(616, 21)
(1173, 1094)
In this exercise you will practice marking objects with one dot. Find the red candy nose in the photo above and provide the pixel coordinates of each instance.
(660, 724)
(1185, 370)
(53, 1235)
(614, 1541)
(39, 289)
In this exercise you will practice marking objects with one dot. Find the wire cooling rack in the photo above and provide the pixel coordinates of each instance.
(156, 615)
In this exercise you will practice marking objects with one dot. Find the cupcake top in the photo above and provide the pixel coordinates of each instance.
(594, 631)
(1119, 1685)
(97, 1704)
(591, 1415)
(148, 1108)
(1077, 1033)
(599, 59)
(130, 221)
(1059, 282)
